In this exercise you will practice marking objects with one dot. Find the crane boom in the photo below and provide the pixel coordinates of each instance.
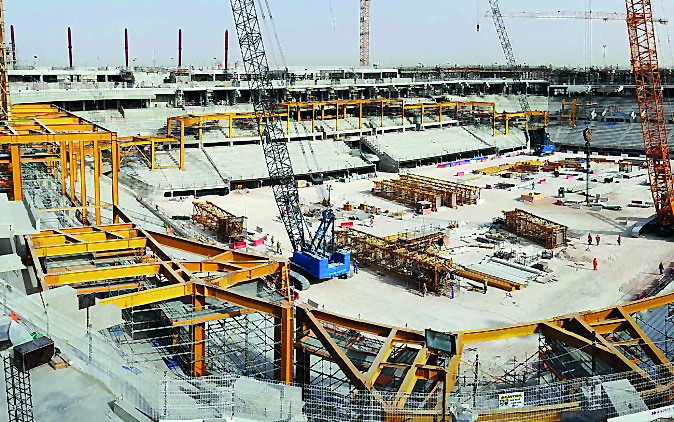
(274, 143)
(641, 29)
(502, 32)
(570, 15)
(314, 255)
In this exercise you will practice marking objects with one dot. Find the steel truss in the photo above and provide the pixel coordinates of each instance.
(643, 43)
(543, 231)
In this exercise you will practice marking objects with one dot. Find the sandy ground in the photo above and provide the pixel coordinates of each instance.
(376, 295)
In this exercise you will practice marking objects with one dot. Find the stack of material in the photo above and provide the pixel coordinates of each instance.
(412, 188)
(224, 223)
(542, 231)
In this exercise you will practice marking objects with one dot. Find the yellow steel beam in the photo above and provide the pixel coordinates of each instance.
(147, 297)
(411, 378)
(383, 354)
(209, 318)
(244, 301)
(103, 274)
(380, 330)
(646, 343)
(243, 276)
(54, 138)
(186, 245)
(622, 361)
(341, 359)
(87, 247)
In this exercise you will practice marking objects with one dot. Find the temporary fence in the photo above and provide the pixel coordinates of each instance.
(170, 395)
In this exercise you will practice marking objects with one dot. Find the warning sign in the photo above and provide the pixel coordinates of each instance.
(511, 400)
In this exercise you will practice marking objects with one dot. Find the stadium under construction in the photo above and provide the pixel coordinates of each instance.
(240, 243)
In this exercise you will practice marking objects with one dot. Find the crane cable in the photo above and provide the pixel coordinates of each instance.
(274, 32)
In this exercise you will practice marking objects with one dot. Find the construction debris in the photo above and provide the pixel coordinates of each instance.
(538, 229)
(230, 227)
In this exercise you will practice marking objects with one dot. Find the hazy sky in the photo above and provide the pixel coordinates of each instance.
(404, 32)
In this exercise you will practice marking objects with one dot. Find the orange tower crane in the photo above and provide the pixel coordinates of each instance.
(641, 28)
(365, 33)
(5, 109)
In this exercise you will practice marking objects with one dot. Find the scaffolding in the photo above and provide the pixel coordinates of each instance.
(19, 395)
(230, 227)
(540, 230)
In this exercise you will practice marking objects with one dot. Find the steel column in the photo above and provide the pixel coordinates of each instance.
(64, 168)
(182, 145)
(83, 184)
(284, 338)
(16, 171)
(97, 182)
(198, 336)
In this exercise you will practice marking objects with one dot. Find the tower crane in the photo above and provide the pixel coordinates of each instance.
(644, 53)
(5, 107)
(314, 255)
(570, 15)
(365, 33)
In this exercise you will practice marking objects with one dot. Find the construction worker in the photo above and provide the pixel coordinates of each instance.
(424, 289)
(355, 266)
(589, 239)
(662, 268)
(597, 238)
(620, 239)
(451, 290)
(272, 241)
(533, 185)
(486, 283)
(594, 264)
(279, 248)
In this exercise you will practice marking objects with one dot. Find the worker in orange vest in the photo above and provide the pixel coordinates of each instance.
(594, 264)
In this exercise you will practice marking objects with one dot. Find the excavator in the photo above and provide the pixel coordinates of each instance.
(644, 53)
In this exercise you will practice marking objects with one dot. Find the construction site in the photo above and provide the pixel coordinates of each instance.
(429, 243)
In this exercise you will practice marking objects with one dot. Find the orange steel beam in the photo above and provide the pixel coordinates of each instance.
(643, 43)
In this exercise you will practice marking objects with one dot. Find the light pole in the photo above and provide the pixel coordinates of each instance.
(329, 189)
(587, 135)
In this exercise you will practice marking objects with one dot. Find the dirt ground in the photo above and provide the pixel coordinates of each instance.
(377, 295)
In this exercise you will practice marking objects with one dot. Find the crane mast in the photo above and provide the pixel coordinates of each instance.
(641, 29)
(502, 32)
(5, 107)
(365, 33)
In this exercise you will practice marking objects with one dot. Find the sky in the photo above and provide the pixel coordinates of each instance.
(321, 32)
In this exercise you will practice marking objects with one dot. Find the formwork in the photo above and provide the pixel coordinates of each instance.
(465, 194)
(410, 189)
(540, 230)
(224, 223)
(412, 258)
